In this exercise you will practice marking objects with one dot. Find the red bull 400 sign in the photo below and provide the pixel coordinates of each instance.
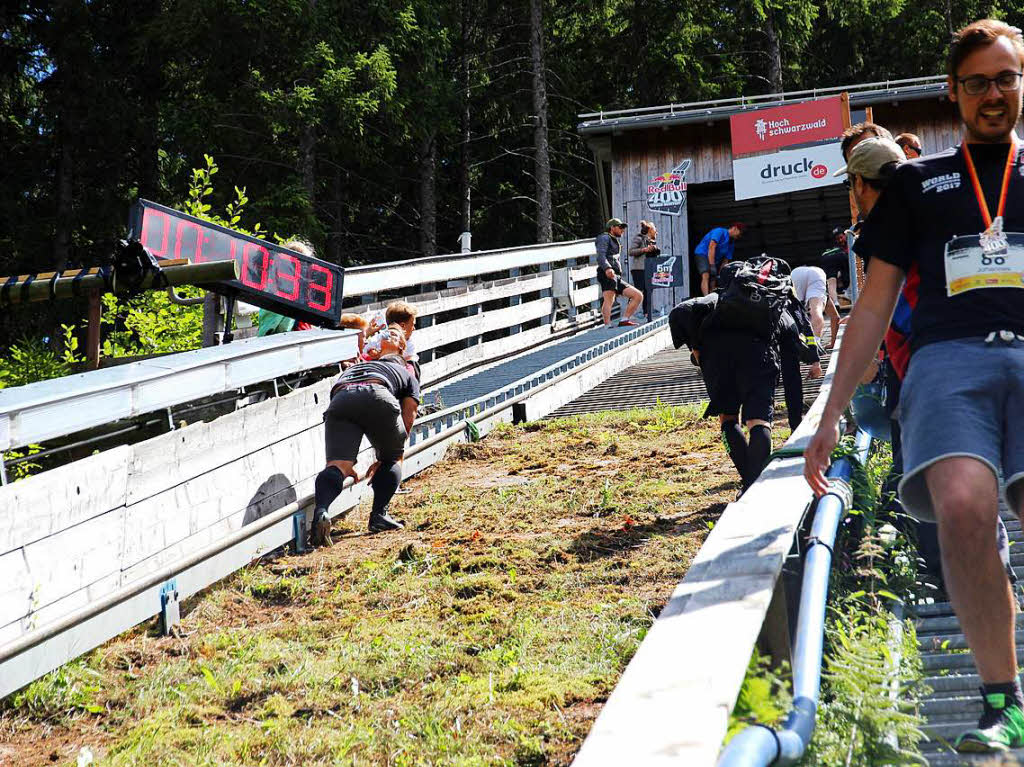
(667, 193)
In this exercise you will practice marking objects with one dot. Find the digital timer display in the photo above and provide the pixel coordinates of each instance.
(271, 277)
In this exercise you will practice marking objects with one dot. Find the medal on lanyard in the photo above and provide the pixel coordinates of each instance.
(994, 258)
(993, 240)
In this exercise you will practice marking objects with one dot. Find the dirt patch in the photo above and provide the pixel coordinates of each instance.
(490, 630)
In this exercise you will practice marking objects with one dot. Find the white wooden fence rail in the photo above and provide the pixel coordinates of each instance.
(82, 532)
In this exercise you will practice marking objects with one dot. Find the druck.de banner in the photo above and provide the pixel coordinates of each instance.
(779, 127)
(787, 171)
(784, 149)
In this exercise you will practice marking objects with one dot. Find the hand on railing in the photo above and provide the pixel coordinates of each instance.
(818, 454)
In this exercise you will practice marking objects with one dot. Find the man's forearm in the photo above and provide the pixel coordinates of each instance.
(711, 253)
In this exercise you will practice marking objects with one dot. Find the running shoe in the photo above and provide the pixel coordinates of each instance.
(628, 324)
(1000, 728)
(321, 533)
(384, 523)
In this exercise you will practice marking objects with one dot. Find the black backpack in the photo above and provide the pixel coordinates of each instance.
(753, 296)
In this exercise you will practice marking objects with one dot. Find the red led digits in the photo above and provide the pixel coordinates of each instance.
(293, 278)
(150, 219)
(264, 265)
(270, 276)
(327, 289)
(197, 253)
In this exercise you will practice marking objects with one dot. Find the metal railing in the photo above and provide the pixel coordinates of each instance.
(758, 101)
(759, 745)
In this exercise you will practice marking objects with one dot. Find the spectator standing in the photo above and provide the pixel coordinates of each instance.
(967, 356)
(714, 251)
(609, 275)
(910, 144)
(644, 243)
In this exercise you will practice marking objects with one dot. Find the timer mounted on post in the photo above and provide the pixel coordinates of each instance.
(270, 276)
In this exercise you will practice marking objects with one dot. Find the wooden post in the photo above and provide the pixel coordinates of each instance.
(92, 342)
(858, 278)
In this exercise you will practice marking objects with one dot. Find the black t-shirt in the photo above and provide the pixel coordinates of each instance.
(927, 203)
(391, 370)
(836, 264)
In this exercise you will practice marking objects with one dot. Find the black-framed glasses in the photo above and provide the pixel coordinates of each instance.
(976, 85)
(847, 182)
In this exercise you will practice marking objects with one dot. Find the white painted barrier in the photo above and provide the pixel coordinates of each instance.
(100, 526)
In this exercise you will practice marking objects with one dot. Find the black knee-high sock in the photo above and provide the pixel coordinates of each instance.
(384, 483)
(758, 450)
(328, 487)
(736, 445)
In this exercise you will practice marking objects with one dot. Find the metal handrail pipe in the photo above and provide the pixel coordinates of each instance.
(50, 630)
(760, 745)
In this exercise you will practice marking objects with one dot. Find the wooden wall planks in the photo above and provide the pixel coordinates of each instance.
(640, 155)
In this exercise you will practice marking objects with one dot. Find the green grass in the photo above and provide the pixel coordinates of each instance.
(489, 632)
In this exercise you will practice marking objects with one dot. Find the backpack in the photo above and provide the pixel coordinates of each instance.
(754, 296)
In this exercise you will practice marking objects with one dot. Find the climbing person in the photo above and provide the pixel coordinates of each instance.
(966, 353)
(734, 339)
(713, 252)
(377, 399)
(811, 287)
(609, 275)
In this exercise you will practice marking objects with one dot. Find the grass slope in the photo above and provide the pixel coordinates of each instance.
(489, 632)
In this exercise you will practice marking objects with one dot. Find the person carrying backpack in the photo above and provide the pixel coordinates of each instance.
(734, 336)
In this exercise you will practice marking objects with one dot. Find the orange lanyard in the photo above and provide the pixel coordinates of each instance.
(1011, 159)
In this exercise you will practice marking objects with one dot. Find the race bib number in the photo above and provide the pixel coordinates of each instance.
(974, 262)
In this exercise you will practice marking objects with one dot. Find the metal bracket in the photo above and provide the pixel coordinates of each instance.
(299, 531)
(170, 608)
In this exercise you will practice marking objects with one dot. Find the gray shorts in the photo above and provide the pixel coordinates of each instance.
(963, 398)
(364, 409)
(702, 264)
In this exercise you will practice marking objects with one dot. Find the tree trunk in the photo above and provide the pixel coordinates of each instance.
(307, 162)
(151, 81)
(64, 204)
(335, 243)
(774, 50)
(428, 194)
(465, 191)
(541, 160)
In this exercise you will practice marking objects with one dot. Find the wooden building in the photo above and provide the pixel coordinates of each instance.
(632, 147)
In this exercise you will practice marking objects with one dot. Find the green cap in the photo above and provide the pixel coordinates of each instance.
(614, 222)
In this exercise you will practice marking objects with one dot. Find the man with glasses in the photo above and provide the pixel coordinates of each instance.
(958, 217)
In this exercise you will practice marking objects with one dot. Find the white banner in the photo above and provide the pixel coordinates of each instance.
(787, 171)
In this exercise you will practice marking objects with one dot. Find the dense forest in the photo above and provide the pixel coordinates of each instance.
(381, 129)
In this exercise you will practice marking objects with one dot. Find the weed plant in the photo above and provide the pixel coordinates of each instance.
(872, 675)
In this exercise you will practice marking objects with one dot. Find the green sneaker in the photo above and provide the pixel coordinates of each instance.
(1000, 728)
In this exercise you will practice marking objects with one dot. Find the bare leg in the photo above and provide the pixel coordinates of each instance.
(634, 297)
(607, 300)
(705, 283)
(347, 469)
(815, 308)
(966, 501)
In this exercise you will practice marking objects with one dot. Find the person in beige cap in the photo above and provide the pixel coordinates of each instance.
(868, 169)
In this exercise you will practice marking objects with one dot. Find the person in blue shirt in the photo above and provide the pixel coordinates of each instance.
(714, 251)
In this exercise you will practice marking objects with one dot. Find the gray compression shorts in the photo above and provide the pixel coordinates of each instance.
(367, 409)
